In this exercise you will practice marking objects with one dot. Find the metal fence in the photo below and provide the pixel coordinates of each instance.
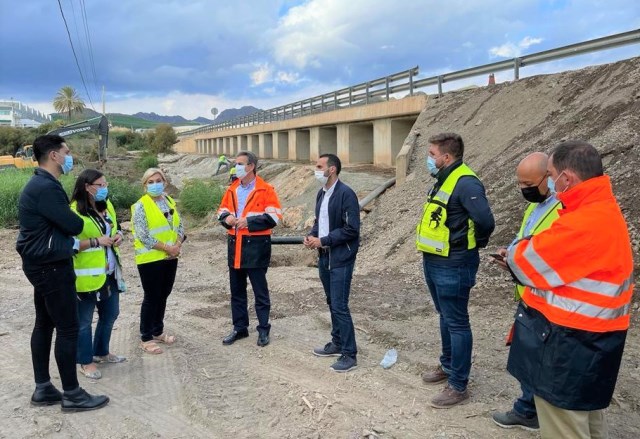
(382, 88)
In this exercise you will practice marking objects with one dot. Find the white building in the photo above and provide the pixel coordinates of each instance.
(16, 114)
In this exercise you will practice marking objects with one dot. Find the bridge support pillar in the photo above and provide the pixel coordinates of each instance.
(355, 142)
(299, 146)
(243, 143)
(323, 141)
(253, 144)
(265, 142)
(281, 145)
(388, 137)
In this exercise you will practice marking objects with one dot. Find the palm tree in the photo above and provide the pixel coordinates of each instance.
(67, 100)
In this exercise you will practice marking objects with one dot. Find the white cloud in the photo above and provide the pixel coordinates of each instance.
(511, 50)
(288, 77)
(262, 74)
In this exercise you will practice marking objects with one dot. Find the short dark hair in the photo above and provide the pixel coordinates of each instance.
(80, 194)
(577, 156)
(252, 159)
(449, 143)
(333, 160)
(45, 144)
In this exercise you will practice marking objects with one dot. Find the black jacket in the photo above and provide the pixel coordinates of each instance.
(47, 223)
(343, 239)
(468, 201)
(569, 368)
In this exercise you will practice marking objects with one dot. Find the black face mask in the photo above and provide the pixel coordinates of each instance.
(533, 195)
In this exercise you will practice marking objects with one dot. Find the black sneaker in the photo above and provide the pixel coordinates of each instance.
(344, 364)
(329, 350)
(513, 419)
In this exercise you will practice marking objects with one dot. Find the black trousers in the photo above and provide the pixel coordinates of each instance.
(56, 305)
(157, 282)
(239, 311)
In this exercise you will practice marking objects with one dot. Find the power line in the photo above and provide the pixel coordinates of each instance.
(86, 26)
(75, 56)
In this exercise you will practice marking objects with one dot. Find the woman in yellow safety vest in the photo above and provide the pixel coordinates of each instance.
(98, 271)
(158, 235)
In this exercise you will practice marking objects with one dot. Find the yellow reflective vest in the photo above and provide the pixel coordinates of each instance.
(432, 235)
(90, 264)
(159, 228)
(545, 220)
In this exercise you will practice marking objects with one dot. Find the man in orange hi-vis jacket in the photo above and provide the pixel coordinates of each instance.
(571, 328)
(249, 210)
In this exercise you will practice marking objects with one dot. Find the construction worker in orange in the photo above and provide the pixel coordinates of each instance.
(571, 326)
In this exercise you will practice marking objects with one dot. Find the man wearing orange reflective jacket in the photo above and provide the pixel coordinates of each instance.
(249, 210)
(571, 328)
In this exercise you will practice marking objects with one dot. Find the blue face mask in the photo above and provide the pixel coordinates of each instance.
(551, 185)
(101, 194)
(67, 164)
(431, 166)
(155, 189)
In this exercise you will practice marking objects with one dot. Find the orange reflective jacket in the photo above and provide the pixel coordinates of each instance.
(579, 272)
(262, 202)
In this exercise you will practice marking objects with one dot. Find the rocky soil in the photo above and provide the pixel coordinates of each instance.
(200, 388)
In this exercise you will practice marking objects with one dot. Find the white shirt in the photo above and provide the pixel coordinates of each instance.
(323, 220)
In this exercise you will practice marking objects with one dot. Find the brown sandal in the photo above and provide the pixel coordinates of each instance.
(165, 338)
(150, 347)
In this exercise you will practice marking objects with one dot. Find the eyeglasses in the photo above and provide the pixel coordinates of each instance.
(166, 214)
(100, 184)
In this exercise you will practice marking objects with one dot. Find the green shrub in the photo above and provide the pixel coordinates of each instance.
(11, 183)
(147, 161)
(199, 198)
(121, 192)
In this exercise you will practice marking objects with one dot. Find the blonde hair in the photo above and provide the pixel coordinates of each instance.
(151, 171)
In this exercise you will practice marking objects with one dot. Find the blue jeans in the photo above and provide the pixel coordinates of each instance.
(108, 310)
(450, 287)
(525, 405)
(337, 286)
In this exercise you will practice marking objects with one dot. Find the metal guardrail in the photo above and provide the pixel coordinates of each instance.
(360, 94)
(364, 93)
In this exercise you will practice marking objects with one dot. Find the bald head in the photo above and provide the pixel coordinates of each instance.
(532, 169)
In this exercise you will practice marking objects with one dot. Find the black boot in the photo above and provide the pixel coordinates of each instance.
(263, 339)
(47, 395)
(79, 400)
(234, 336)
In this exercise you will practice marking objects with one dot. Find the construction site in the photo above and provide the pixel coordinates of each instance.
(200, 388)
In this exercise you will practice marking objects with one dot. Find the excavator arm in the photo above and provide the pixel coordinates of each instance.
(98, 124)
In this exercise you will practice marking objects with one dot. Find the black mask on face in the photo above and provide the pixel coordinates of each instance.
(533, 195)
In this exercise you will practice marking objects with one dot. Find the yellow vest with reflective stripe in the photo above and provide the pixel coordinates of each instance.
(90, 264)
(159, 228)
(432, 233)
(543, 223)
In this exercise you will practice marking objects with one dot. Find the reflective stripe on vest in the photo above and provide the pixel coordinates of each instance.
(432, 234)
(549, 215)
(159, 228)
(90, 264)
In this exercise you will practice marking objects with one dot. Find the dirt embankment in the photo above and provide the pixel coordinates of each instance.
(200, 388)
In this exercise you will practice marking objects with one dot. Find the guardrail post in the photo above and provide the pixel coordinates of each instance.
(386, 83)
(367, 94)
(335, 100)
(440, 85)
(410, 83)
(517, 62)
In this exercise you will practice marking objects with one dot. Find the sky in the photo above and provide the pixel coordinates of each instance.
(184, 57)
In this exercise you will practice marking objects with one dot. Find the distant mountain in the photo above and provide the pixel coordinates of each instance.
(153, 117)
(232, 113)
(202, 120)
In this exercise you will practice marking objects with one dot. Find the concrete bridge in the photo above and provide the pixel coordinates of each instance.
(372, 134)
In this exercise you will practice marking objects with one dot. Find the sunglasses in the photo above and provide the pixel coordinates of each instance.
(166, 214)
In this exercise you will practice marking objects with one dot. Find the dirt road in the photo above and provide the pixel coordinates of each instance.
(200, 388)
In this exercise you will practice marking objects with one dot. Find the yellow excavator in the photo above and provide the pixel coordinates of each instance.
(24, 156)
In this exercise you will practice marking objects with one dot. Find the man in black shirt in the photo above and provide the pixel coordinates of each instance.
(46, 244)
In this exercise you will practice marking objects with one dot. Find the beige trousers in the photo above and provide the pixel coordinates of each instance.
(556, 423)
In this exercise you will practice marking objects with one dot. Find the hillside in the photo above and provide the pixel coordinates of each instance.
(500, 125)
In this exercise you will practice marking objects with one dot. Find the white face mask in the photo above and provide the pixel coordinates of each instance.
(321, 177)
(241, 171)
